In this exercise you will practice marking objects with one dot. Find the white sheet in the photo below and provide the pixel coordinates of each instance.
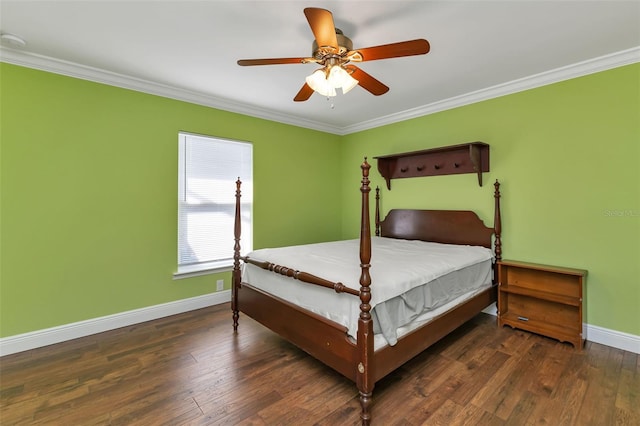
(397, 266)
(411, 306)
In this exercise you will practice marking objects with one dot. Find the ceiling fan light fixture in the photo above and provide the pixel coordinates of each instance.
(319, 83)
(339, 77)
(325, 80)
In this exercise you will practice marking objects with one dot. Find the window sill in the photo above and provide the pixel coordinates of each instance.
(202, 269)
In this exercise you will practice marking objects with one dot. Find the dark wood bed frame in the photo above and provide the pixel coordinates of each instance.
(328, 341)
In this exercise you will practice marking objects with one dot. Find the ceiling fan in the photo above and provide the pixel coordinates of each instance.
(334, 51)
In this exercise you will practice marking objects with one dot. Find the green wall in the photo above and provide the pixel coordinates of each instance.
(88, 185)
(89, 195)
(568, 158)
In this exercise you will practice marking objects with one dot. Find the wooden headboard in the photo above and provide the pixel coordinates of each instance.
(442, 226)
(439, 226)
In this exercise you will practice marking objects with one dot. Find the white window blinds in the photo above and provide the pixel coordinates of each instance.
(207, 173)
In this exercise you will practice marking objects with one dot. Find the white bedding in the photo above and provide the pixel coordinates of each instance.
(399, 271)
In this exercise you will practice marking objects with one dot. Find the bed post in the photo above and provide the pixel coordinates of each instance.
(235, 275)
(377, 211)
(497, 223)
(365, 380)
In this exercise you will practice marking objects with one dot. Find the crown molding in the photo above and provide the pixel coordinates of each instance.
(602, 63)
(57, 66)
(83, 72)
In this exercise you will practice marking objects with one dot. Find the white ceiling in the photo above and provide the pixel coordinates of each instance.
(188, 50)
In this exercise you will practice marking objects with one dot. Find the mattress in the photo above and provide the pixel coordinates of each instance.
(410, 280)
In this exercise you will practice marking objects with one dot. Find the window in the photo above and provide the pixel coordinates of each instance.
(207, 172)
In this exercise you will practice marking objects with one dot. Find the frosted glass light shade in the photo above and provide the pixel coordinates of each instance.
(339, 77)
(318, 82)
(326, 83)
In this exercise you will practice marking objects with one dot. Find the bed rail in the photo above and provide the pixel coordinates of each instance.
(301, 276)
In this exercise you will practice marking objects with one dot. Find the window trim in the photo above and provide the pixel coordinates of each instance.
(200, 269)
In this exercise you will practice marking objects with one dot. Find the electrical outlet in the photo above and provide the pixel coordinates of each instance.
(219, 285)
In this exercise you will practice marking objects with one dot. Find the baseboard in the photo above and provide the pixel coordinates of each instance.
(604, 336)
(616, 339)
(49, 336)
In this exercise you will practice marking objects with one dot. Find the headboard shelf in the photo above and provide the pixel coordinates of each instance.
(472, 157)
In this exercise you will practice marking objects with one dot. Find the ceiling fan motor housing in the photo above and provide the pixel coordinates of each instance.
(344, 45)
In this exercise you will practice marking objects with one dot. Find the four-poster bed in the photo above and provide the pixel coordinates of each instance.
(357, 348)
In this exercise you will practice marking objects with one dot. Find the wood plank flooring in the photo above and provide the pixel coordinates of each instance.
(190, 369)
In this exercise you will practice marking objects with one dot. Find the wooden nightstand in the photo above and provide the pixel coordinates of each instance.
(542, 299)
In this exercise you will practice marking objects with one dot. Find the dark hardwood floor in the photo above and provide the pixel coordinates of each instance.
(190, 369)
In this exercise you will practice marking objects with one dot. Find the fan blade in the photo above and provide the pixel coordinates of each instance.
(321, 23)
(393, 50)
(272, 61)
(367, 82)
(304, 93)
